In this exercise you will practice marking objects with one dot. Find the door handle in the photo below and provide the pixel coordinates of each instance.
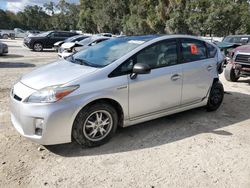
(209, 67)
(175, 77)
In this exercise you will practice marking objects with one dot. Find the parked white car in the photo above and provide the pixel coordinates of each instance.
(68, 48)
(16, 33)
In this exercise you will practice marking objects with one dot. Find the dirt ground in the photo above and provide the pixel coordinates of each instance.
(189, 149)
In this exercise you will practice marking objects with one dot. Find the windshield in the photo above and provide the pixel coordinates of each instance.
(85, 41)
(106, 52)
(227, 39)
(72, 39)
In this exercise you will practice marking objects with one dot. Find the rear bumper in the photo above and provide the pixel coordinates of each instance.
(5, 50)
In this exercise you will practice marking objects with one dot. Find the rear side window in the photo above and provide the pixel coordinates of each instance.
(211, 51)
(193, 50)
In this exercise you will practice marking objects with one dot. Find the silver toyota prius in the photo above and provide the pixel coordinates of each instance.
(119, 82)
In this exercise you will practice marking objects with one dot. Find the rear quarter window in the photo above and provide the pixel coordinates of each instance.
(211, 50)
(193, 50)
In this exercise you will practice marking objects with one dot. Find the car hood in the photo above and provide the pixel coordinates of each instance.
(35, 37)
(60, 72)
(68, 45)
(244, 48)
(225, 45)
(57, 44)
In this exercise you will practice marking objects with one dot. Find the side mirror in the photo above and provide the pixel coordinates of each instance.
(140, 68)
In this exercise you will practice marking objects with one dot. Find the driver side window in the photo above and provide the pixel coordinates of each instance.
(51, 35)
(158, 55)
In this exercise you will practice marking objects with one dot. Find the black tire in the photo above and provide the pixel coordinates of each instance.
(215, 97)
(230, 73)
(79, 131)
(5, 36)
(38, 47)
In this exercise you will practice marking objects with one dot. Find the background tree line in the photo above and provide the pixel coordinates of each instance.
(198, 17)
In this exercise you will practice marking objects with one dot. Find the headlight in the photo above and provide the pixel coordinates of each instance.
(28, 40)
(51, 94)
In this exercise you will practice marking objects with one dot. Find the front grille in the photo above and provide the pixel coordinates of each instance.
(17, 97)
(242, 58)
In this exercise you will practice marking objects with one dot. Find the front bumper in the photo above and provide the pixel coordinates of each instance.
(57, 117)
(64, 54)
(28, 45)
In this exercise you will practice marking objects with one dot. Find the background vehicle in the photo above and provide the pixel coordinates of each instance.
(239, 65)
(229, 43)
(69, 48)
(118, 82)
(3, 48)
(16, 33)
(31, 33)
(75, 38)
(46, 40)
(237, 39)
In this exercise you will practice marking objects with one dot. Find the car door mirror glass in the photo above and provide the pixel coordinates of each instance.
(141, 68)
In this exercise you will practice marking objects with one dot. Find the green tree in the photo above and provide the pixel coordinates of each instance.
(86, 22)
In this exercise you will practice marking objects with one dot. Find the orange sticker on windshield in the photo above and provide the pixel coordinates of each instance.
(194, 49)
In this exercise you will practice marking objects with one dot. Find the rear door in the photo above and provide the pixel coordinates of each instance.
(198, 70)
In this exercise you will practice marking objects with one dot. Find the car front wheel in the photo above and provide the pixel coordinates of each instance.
(230, 73)
(95, 124)
(38, 47)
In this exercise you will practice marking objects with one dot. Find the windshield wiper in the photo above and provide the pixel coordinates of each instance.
(82, 62)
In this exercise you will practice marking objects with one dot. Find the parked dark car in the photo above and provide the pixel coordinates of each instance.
(46, 40)
(239, 64)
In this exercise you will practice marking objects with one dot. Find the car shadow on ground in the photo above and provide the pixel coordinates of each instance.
(46, 50)
(7, 56)
(7, 40)
(244, 81)
(16, 65)
(167, 129)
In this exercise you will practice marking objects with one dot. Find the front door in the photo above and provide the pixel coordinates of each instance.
(160, 89)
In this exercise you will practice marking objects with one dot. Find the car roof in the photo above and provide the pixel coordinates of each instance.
(238, 36)
(146, 38)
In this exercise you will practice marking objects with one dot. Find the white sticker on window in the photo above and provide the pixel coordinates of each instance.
(136, 42)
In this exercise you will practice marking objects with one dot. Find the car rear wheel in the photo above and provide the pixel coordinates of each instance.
(215, 97)
(95, 125)
(38, 47)
(230, 73)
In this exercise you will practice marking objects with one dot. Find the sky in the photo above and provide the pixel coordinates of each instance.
(18, 5)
